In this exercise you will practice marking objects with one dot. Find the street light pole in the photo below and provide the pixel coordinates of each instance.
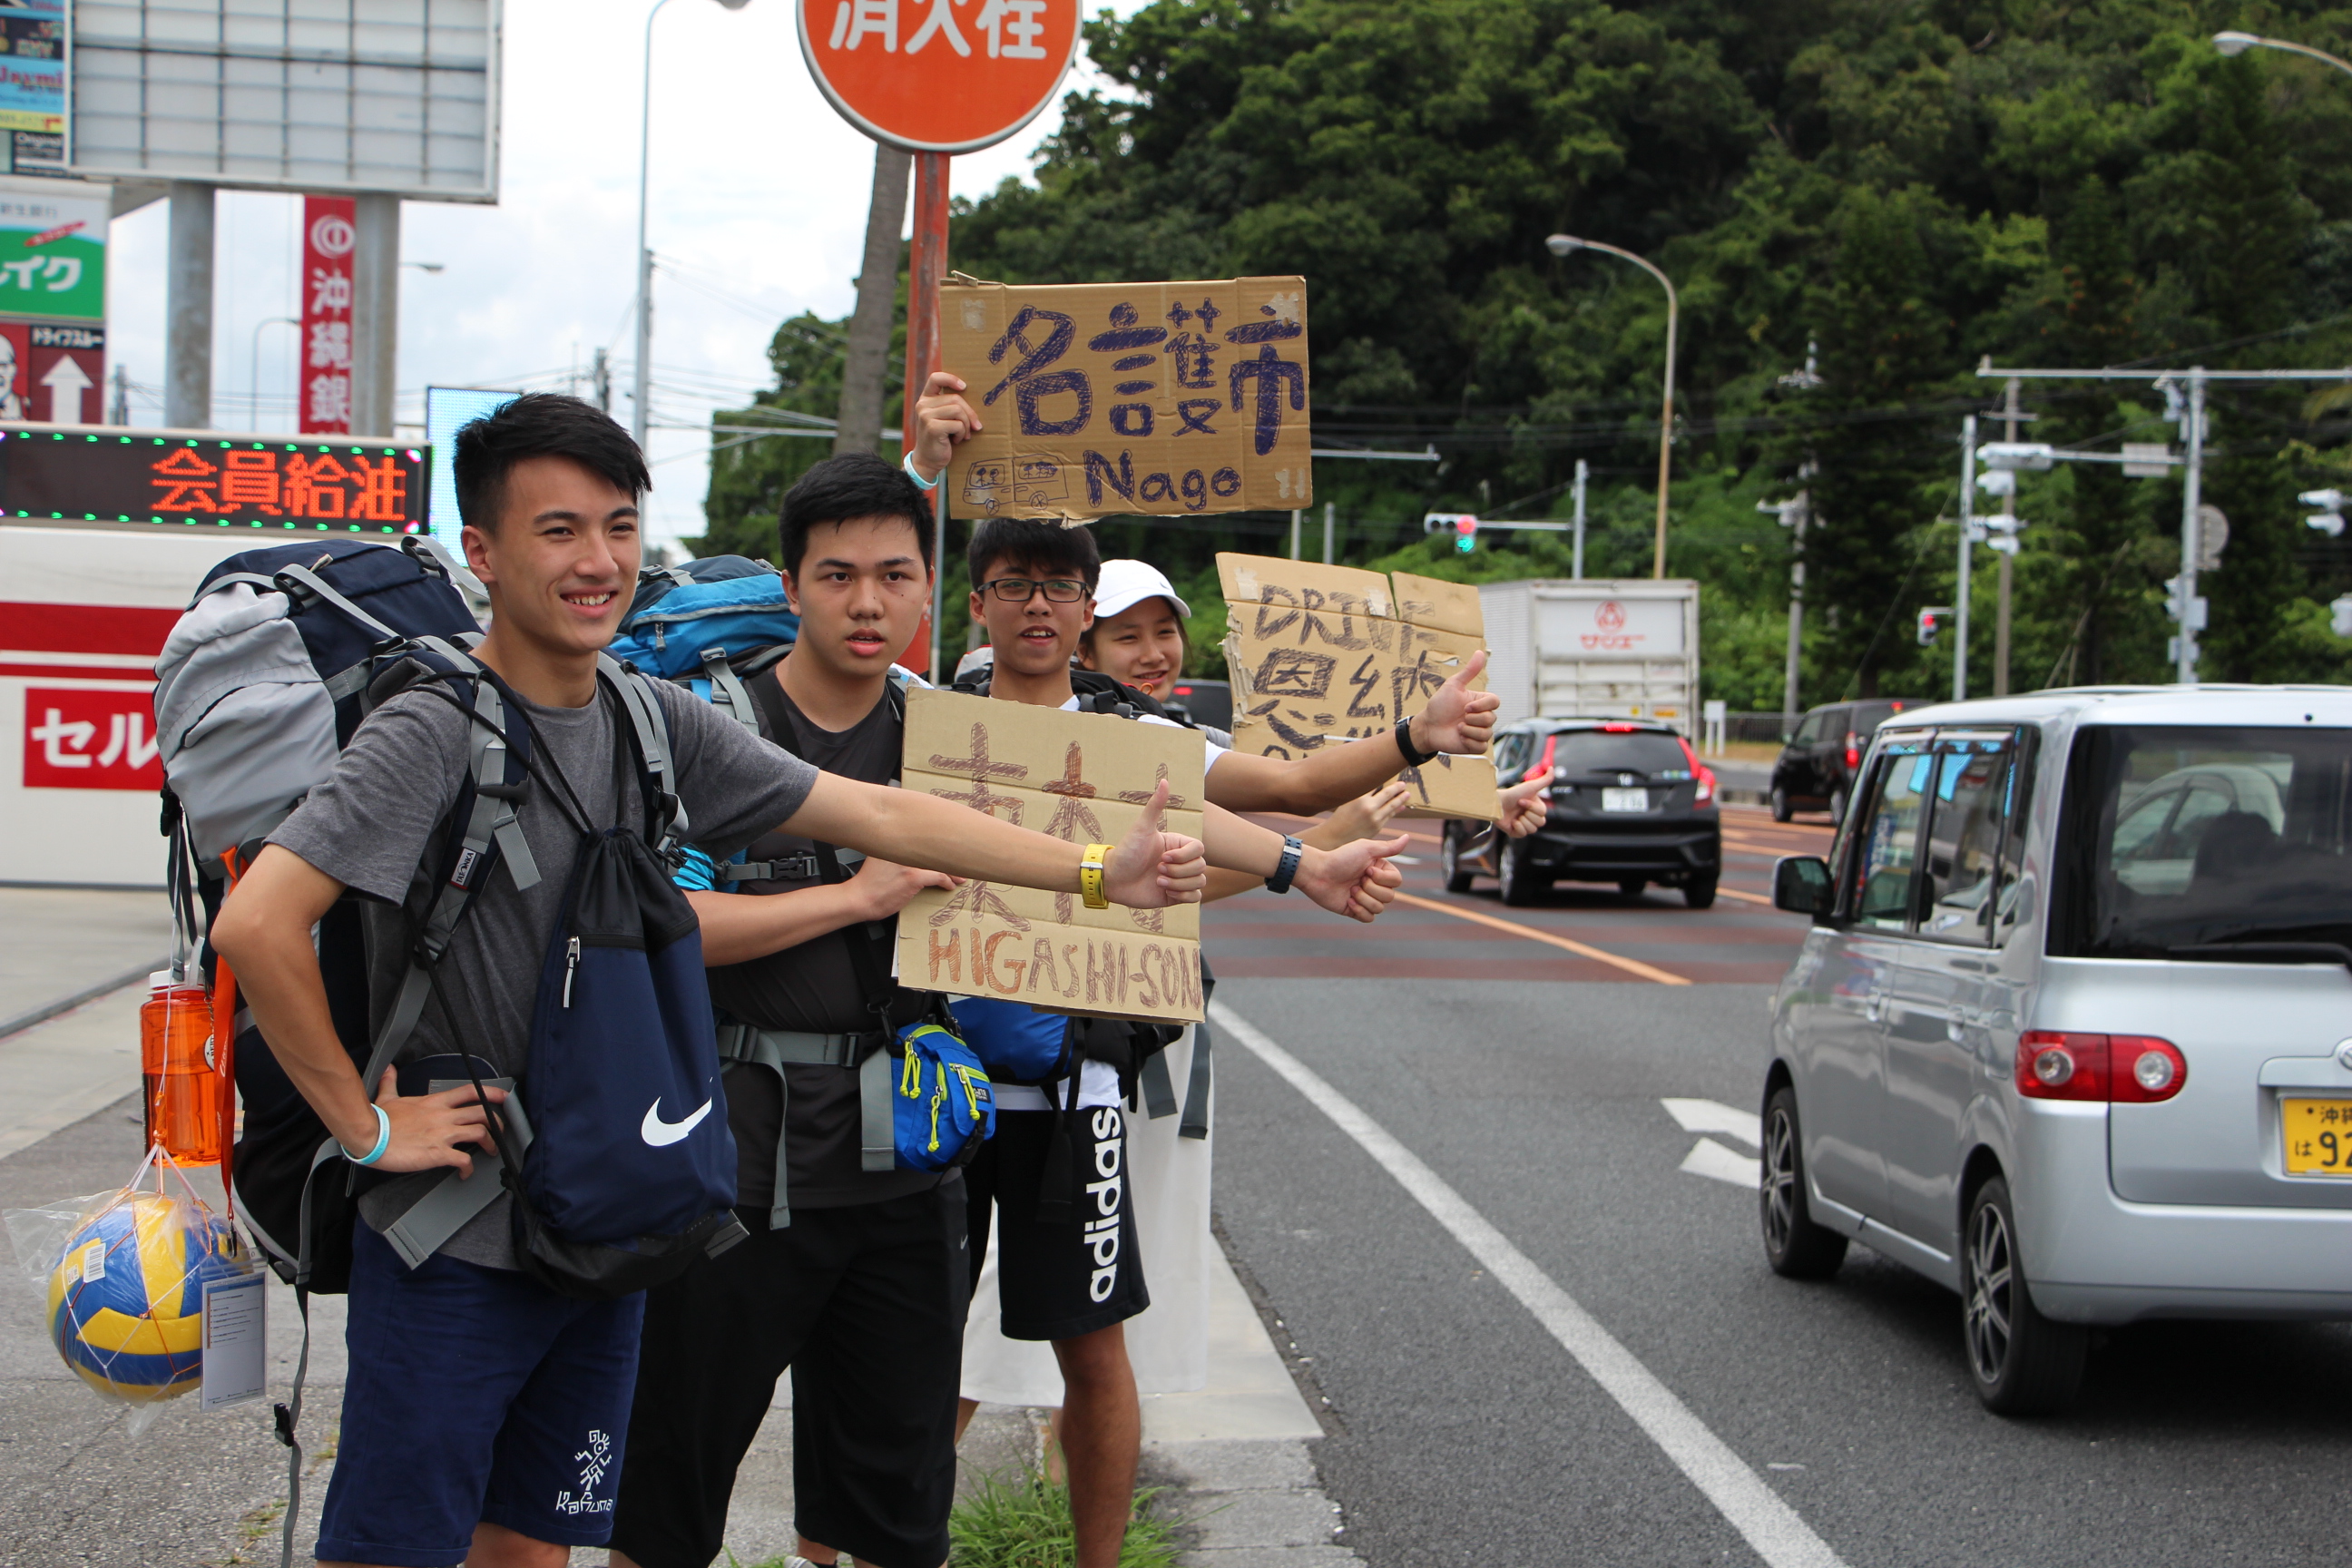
(1562, 245)
(1967, 546)
(2191, 499)
(2239, 43)
(637, 419)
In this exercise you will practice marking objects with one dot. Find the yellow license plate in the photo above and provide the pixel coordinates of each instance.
(2317, 1136)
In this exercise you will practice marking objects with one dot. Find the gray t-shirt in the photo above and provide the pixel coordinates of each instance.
(375, 827)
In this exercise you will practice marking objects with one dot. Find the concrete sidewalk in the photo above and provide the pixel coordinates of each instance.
(196, 1489)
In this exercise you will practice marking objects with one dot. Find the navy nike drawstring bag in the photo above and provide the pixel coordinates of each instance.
(621, 1163)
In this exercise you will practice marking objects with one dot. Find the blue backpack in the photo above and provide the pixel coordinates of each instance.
(698, 620)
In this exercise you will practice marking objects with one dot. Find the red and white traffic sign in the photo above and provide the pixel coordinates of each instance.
(51, 373)
(939, 76)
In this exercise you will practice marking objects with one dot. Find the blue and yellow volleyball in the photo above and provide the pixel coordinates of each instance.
(126, 1299)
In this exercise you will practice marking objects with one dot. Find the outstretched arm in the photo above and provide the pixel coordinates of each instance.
(1147, 869)
(1458, 720)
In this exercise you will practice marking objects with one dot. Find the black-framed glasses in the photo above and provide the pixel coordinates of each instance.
(1021, 589)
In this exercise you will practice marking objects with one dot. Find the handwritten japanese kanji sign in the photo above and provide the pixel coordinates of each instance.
(329, 235)
(1098, 398)
(1084, 778)
(939, 76)
(1327, 653)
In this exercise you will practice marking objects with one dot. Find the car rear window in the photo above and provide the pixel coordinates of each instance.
(1579, 752)
(2188, 838)
(1869, 716)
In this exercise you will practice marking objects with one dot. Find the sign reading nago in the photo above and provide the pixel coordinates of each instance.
(939, 76)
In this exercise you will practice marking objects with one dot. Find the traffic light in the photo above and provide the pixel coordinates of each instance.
(2172, 606)
(1466, 535)
(2018, 456)
(2339, 617)
(2329, 518)
(1928, 623)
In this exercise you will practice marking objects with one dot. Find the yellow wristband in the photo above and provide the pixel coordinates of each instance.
(1090, 876)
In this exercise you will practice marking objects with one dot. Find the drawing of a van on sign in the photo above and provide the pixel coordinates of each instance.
(1028, 481)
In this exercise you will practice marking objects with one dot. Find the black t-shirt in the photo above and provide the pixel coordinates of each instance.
(813, 987)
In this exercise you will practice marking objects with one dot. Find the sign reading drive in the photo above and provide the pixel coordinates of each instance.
(1084, 778)
(1158, 398)
(1329, 654)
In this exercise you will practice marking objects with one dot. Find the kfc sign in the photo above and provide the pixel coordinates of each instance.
(91, 740)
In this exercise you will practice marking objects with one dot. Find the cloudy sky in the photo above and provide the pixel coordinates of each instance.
(758, 206)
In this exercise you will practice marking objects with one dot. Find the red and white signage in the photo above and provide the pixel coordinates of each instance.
(330, 235)
(85, 612)
(91, 740)
(939, 76)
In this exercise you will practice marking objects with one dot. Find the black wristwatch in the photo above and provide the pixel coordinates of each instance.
(1292, 851)
(1404, 743)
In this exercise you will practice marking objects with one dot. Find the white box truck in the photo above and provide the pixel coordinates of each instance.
(1564, 648)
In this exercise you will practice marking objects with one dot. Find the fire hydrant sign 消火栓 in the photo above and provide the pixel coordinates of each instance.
(1325, 655)
(1084, 778)
(1155, 398)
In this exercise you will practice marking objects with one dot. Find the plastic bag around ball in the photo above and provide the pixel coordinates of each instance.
(122, 1276)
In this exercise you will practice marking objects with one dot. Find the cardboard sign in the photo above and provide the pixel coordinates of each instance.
(1320, 655)
(1083, 777)
(1156, 398)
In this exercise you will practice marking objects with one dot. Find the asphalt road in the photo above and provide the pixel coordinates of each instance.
(1530, 1079)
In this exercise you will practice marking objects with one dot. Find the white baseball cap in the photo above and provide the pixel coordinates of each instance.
(1126, 584)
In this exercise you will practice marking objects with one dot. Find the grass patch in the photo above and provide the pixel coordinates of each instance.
(1025, 1523)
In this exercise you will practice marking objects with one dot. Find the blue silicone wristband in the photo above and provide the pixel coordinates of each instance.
(926, 486)
(383, 1140)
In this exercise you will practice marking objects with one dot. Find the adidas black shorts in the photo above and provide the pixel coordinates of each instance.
(1057, 1279)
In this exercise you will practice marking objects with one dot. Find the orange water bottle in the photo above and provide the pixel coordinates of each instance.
(186, 1087)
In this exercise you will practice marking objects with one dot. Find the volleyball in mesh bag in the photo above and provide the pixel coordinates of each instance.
(126, 1299)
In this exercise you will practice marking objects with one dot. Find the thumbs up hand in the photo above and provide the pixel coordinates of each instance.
(1458, 720)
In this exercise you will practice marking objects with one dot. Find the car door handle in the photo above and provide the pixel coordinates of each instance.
(1955, 1022)
(1875, 1007)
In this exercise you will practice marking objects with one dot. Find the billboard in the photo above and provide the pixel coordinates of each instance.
(33, 87)
(182, 480)
(53, 252)
(395, 96)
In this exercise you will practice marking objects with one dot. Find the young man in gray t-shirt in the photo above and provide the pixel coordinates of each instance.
(485, 1416)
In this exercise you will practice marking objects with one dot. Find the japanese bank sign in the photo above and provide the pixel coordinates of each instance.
(1103, 398)
(329, 235)
(939, 76)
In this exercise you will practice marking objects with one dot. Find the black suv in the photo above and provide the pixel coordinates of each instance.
(1818, 764)
(1630, 805)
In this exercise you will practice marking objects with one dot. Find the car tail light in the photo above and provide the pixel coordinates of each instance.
(1551, 744)
(1619, 729)
(2126, 1069)
(1699, 771)
(1852, 752)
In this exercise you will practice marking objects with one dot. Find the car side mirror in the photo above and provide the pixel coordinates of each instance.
(1800, 885)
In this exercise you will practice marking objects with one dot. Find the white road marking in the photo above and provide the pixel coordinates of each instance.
(1768, 1525)
(1709, 1158)
(1714, 1116)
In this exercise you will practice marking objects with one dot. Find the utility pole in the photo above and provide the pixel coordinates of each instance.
(2009, 416)
(1294, 534)
(121, 414)
(1330, 531)
(2192, 619)
(858, 426)
(1576, 560)
(1967, 550)
(188, 309)
(600, 378)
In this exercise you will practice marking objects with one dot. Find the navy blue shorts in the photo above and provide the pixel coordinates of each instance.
(474, 1394)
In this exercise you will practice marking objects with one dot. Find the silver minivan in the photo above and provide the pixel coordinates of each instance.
(2072, 1031)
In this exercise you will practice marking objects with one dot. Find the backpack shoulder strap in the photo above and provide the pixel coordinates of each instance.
(652, 728)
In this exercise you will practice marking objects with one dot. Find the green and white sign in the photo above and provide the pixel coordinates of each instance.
(52, 255)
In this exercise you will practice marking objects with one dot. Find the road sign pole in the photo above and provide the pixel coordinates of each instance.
(2191, 496)
(926, 270)
(1967, 544)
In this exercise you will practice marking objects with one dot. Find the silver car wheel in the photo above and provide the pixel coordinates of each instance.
(1992, 1274)
(1780, 1180)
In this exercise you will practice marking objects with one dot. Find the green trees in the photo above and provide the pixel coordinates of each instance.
(1911, 187)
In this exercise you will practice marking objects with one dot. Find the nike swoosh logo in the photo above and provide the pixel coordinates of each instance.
(660, 1134)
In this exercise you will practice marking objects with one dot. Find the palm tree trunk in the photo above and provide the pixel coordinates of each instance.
(859, 428)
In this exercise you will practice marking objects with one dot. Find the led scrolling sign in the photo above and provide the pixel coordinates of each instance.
(188, 483)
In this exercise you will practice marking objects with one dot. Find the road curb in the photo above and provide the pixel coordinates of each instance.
(49, 1010)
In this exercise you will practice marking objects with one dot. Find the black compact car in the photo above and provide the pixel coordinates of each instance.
(1817, 766)
(1202, 702)
(1630, 803)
